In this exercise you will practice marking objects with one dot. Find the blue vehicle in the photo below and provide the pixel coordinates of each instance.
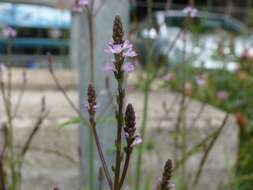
(40, 29)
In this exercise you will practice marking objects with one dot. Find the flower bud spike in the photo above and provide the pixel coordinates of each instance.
(118, 32)
(166, 177)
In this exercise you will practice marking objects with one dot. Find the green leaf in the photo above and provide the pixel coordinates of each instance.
(76, 120)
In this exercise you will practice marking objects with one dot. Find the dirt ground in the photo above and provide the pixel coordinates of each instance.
(46, 169)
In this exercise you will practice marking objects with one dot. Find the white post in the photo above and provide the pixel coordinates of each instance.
(79, 56)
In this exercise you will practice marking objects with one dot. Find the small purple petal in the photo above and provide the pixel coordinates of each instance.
(87, 106)
(137, 140)
(109, 67)
(128, 67)
(77, 9)
(171, 185)
(168, 77)
(222, 95)
(126, 48)
(2, 68)
(127, 45)
(200, 81)
(126, 135)
(130, 53)
(114, 48)
(191, 11)
(83, 2)
(9, 32)
(94, 108)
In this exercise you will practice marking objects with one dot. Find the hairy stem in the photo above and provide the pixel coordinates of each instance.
(120, 117)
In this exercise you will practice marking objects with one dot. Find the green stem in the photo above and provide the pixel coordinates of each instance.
(143, 129)
(91, 44)
(91, 80)
(120, 117)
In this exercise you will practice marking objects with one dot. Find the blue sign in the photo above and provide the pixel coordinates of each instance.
(24, 15)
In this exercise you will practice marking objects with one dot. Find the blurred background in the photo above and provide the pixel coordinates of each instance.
(217, 45)
(45, 26)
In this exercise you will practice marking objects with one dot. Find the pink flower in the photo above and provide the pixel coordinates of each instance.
(183, 36)
(126, 48)
(168, 77)
(200, 80)
(114, 49)
(128, 67)
(137, 140)
(222, 95)
(130, 53)
(126, 135)
(88, 107)
(2, 68)
(9, 32)
(78, 7)
(190, 11)
(83, 2)
(245, 54)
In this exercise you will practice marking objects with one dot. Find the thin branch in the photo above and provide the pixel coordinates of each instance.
(62, 90)
(20, 97)
(209, 148)
(2, 175)
(125, 168)
(101, 155)
(50, 151)
(59, 86)
(42, 116)
(196, 148)
(201, 110)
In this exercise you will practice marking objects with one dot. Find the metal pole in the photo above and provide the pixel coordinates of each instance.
(80, 51)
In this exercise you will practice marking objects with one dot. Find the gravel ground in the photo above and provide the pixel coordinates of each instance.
(53, 159)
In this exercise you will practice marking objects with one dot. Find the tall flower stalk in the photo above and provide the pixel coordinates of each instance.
(121, 49)
(88, 7)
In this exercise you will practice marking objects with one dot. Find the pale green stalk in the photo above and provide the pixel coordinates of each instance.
(148, 83)
(91, 79)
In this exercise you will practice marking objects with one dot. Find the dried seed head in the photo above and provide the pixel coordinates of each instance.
(130, 121)
(167, 173)
(118, 32)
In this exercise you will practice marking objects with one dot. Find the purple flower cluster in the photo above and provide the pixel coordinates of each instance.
(9, 32)
(222, 95)
(200, 80)
(2, 70)
(125, 50)
(80, 4)
(190, 11)
(137, 140)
